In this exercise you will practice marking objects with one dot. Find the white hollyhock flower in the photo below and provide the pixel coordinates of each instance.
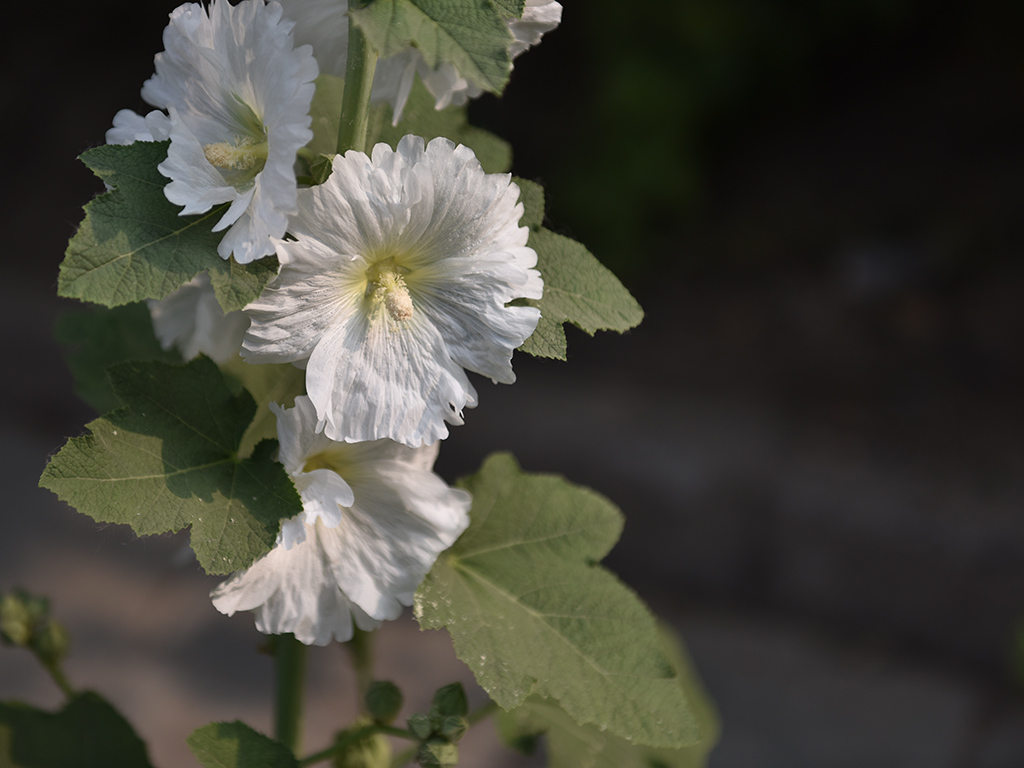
(375, 518)
(238, 93)
(191, 319)
(323, 24)
(399, 280)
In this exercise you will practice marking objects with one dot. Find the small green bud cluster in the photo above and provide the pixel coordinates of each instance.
(440, 729)
(25, 621)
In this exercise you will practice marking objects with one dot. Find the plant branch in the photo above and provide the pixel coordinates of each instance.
(355, 101)
(289, 681)
(58, 677)
(360, 647)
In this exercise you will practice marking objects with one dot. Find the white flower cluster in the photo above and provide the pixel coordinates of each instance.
(395, 280)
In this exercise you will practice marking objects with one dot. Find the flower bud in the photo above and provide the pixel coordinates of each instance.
(15, 621)
(383, 701)
(451, 700)
(420, 726)
(436, 753)
(50, 643)
(453, 728)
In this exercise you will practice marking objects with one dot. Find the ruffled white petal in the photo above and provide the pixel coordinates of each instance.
(294, 590)
(130, 127)
(192, 321)
(394, 517)
(238, 94)
(384, 361)
(322, 24)
(370, 378)
(539, 18)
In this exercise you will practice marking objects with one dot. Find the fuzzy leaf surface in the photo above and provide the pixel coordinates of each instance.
(236, 745)
(578, 289)
(531, 195)
(88, 732)
(267, 384)
(510, 8)
(133, 245)
(170, 458)
(469, 34)
(547, 340)
(571, 745)
(531, 612)
(419, 118)
(96, 338)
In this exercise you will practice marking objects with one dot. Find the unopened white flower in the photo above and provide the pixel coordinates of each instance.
(375, 518)
(323, 24)
(191, 320)
(397, 281)
(238, 93)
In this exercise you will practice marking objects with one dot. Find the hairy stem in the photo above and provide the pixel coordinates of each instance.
(355, 101)
(289, 681)
(360, 647)
(58, 677)
(354, 737)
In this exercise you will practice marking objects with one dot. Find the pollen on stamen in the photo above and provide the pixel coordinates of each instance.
(240, 156)
(391, 290)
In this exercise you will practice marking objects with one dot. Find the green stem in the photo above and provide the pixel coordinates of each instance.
(486, 710)
(355, 101)
(58, 677)
(361, 649)
(289, 680)
(353, 737)
(401, 733)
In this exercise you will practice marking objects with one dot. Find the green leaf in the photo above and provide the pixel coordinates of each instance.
(531, 194)
(97, 338)
(419, 118)
(133, 245)
(87, 733)
(510, 9)
(236, 285)
(267, 384)
(530, 611)
(170, 459)
(547, 340)
(571, 745)
(236, 745)
(469, 34)
(578, 289)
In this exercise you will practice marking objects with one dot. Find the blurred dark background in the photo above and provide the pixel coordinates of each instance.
(815, 434)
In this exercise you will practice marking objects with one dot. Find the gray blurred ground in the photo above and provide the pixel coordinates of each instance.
(820, 463)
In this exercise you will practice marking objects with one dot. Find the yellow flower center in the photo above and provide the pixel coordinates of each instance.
(243, 155)
(386, 285)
